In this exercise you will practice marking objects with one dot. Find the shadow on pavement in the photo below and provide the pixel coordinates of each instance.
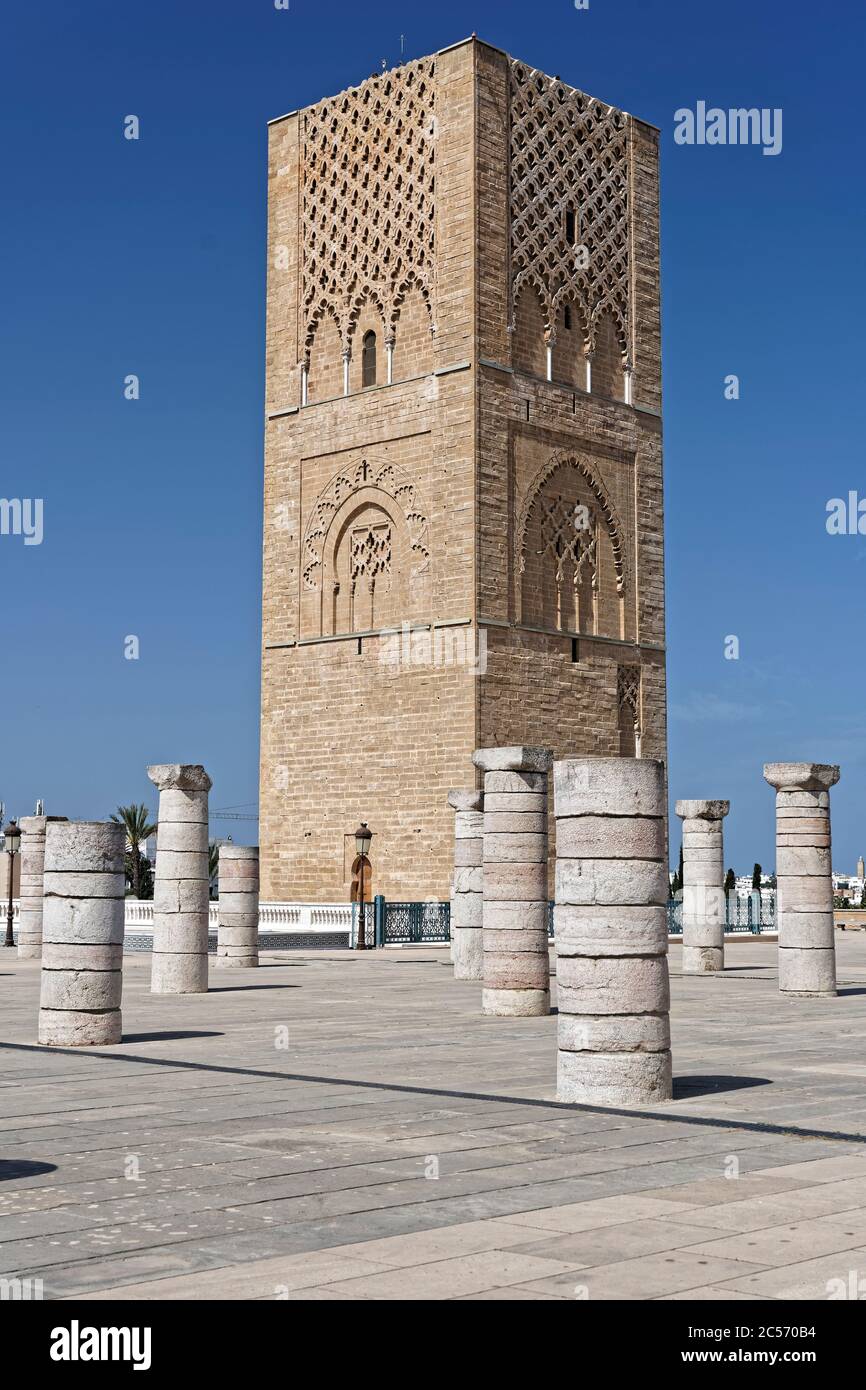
(23, 1168)
(165, 1037)
(710, 1085)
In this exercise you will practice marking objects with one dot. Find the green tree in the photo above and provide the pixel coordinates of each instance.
(863, 896)
(730, 881)
(137, 823)
(145, 875)
(677, 882)
(757, 873)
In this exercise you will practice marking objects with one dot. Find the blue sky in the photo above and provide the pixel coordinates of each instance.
(148, 257)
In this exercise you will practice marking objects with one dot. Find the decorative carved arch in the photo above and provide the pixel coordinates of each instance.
(370, 294)
(411, 281)
(617, 318)
(324, 309)
(558, 460)
(568, 294)
(522, 281)
(387, 478)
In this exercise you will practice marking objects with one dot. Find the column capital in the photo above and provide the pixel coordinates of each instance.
(466, 799)
(32, 825)
(702, 810)
(608, 786)
(517, 759)
(247, 852)
(185, 777)
(801, 777)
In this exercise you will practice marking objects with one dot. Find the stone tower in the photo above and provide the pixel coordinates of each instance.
(463, 531)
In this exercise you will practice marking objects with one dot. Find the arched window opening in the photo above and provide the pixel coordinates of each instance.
(368, 359)
(570, 226)
(569, 564)
(628, 705)
(566, 317)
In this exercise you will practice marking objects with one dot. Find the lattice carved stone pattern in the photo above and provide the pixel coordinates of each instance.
(556, 461)
(566, 542)
(628, 691)
(387, 479)
(568, 149)
(368, 209)
(371, 552)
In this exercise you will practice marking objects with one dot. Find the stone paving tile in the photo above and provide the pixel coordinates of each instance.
(842, 1274)
(261, 1279)
(790, 1243)
(252, 1156)
(422, 1247)
(98, 1241)
(513, 1294)
(713, 1293)
(52, 1221)
(647, 1277)
(470, 1273)
(592, 1214)
(753, 1214)
(711, 1191)
(824, 1170)
(626, 1240)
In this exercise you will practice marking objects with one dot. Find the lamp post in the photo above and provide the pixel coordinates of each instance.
(363, 836)
(12, 839)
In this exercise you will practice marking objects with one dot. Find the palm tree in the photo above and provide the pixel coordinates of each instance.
(136, 821)
(213, 867)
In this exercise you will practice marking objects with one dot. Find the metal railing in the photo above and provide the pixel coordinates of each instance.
(402, 924)
(751, 913)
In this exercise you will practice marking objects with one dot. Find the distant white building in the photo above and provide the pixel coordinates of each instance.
(849, 887)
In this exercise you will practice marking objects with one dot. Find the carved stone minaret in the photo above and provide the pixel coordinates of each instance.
(463, 485)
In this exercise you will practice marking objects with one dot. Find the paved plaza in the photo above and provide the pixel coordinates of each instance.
(344, 1126)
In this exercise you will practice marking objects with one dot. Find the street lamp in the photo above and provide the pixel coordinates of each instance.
(12, 839)
(363, 836)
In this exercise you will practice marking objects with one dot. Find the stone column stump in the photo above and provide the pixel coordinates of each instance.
(238, 929)
(180, 889)
(82, 946)
(32, 870)
(613, 990)
(466, 892)
(804, 892)
(516, 962)
(703, 886)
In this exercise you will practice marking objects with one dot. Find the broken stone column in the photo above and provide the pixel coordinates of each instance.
(804, 891)
(516, 964)
(32, 870)
(82, 922)
(180, 888)
(466, 894)
(238, 927)
(613, 990)
(703, 886)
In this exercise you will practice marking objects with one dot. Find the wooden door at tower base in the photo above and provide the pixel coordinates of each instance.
(356, 879)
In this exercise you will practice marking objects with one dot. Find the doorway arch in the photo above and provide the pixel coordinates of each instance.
(356, 878)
